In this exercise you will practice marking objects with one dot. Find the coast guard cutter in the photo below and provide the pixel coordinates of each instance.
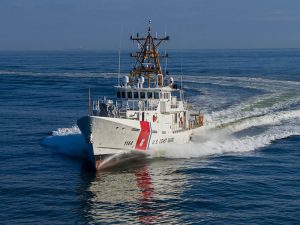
(149, 110)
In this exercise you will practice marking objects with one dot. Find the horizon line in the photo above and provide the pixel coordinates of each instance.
(170, 49)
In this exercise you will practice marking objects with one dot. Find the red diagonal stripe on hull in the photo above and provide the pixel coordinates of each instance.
(144, 135)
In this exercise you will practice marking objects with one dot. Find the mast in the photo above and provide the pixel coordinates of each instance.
(89, 104)
(119, 68)
(147, 59)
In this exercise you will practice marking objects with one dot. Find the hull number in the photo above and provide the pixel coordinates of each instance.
(162, 141)
(128, 143)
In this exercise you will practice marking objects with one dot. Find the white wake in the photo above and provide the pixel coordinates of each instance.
(67, 141)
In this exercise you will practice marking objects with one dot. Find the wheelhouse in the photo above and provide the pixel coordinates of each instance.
(148, 93)
(143, 94)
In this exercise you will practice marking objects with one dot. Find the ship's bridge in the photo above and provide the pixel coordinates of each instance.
(138, 99)
(163, 93)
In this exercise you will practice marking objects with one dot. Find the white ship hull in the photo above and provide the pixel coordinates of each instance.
(109, 136)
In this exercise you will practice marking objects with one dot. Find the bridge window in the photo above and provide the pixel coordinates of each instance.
(135, 94)
(129, 94)
(156, 95)
(166, 95)
(142, 94)
(118, 94)
(123, 94)
(149, 95)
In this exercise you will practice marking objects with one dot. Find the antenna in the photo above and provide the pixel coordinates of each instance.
(119, 69)
(149, 28)
(181, 72)
(89, 104)
(166, 30)
(166, 63)
(181, 82)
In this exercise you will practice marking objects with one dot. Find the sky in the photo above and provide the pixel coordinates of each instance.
(107, 24)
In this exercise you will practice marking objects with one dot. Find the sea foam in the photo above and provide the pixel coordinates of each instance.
(67, 141)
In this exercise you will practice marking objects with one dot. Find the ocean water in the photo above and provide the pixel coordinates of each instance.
(242, 168)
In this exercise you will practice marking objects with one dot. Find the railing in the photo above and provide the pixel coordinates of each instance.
(104, 109)
(107, 108)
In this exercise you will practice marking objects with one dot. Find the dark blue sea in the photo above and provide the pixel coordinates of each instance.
(243, 168)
